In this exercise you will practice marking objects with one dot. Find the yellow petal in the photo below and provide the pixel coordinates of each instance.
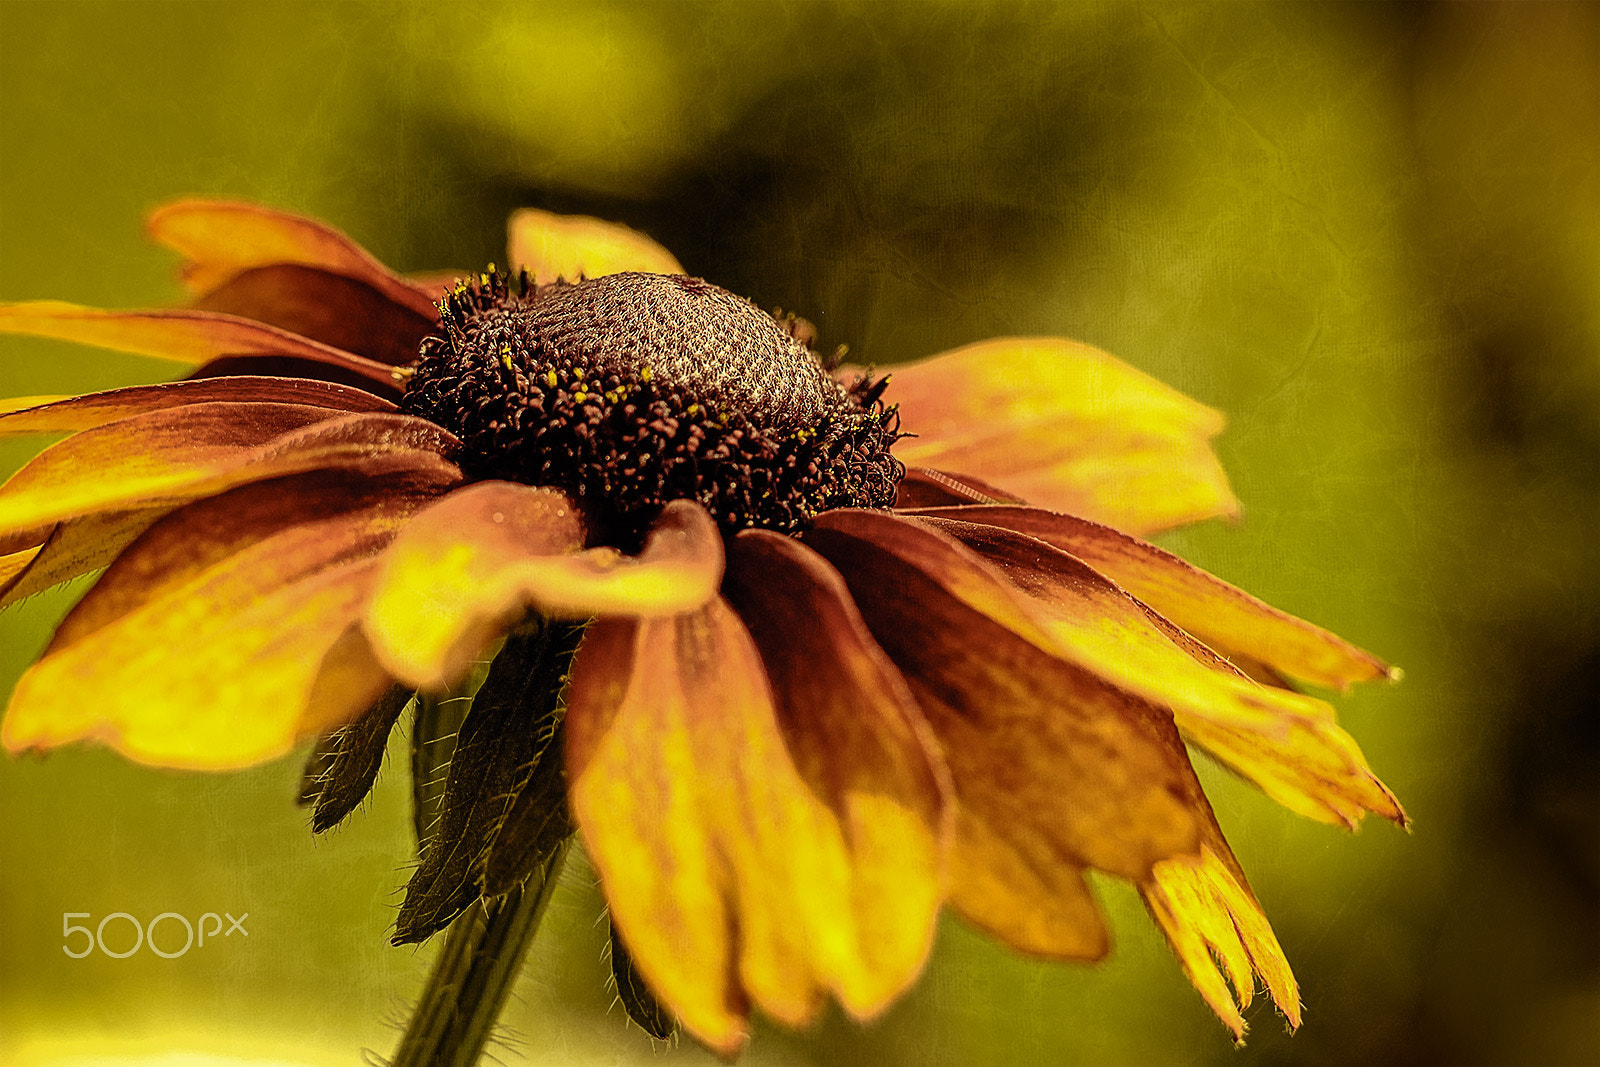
(169, 456)
(1142, 487)
(479, 560)
(13, 564)
(1286, 743)
(727, 872)
(443, 594)
(119, 462)
(221, 239)
(1024, 892)
(226, 634)
(31, 415)
(1066, 426)
(190, 337)
(1224, 616)
(1218, 930)
(856, 734)
(76, 547)
(1015, 871)
(1064, 769)
(550, 246)
(235, 698)
(353, 510)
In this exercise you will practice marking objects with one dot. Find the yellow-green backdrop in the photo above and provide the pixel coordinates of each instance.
(1369, 233)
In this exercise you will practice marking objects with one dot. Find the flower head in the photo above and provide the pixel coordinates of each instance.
(780, 639)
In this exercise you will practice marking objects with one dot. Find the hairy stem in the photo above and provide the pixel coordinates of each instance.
(480, 961)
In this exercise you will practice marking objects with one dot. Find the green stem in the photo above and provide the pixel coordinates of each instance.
(480, 961)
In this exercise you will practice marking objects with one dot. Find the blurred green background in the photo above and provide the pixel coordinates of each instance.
(1370, 233)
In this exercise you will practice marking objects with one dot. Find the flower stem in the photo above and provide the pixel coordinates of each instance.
(480, 961)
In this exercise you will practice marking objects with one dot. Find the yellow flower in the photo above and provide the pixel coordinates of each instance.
(835, 677)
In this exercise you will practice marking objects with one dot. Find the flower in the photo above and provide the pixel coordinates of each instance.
(835, 678)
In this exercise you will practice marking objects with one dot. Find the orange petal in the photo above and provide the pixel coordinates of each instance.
(326, 307)
(76, 547)
(222, 239)
(13, 541)
(1064, 769)
(170, 456)
(1217, 929)
(161, 445)
(225, 634)
(550, 246)
(354, 372)
(857, 737)
(1222, 615)
(183, 336)
(70, 414)
(1286, 743)
(482, 558)
(923, 487)
(1065, 426)
(726, 872)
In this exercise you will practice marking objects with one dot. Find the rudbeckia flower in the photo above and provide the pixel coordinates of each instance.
(803, 654)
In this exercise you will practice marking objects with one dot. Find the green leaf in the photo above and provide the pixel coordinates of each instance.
(535, 825)
(637, 1000)
(345, 763)
(434, 728)
(509, 725)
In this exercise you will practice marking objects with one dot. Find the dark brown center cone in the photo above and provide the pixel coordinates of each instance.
(630, 390)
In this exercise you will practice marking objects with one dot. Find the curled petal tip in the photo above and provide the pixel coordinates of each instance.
(1395, 814)
(1380, 801)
